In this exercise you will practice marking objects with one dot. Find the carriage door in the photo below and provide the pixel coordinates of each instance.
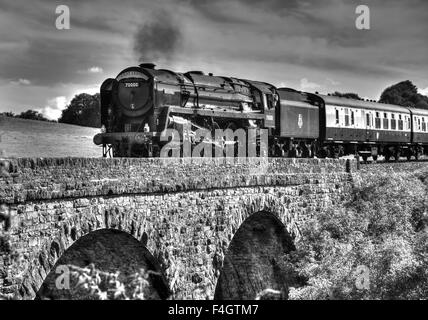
(269, 102)
(368, 119)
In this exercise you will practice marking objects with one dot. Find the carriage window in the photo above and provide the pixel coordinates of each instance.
(419, 124)
(352, 117)
(346, 117)
(377, 121)
(408, 123)
(368, 119)
(424, 125)
(400, 123)
(385, 121)
(393, 122)
(337, 116)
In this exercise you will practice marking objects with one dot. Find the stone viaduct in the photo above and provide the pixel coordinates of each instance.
(211, 229)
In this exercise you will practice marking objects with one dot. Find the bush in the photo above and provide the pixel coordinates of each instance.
(375, 247)
(90, 283)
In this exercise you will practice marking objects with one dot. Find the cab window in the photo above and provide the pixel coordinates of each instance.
(270, 101)
(258, 100)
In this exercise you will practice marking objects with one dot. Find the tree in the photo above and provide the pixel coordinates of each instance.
(32, 115)
(83, 110)
(8, 114)
(349, 95)
(404, 94)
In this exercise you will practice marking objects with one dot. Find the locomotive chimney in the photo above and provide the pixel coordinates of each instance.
(148, 65)
(200, 73)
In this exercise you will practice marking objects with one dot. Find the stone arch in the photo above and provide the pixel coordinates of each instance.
(78, 218)
(254, 259)
(110, 250)
(276, 205)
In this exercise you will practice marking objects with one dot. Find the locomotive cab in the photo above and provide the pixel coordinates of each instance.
(267, 100)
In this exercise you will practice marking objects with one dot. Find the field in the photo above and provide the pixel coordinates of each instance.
(30, 138)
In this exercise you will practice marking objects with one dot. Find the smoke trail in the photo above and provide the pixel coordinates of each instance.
(157, 39)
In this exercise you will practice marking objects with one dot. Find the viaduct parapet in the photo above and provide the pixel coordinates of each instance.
(211, 229)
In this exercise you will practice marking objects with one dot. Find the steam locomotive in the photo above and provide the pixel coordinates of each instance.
(142, 102)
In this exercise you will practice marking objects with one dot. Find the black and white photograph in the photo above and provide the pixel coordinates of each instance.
(231, 151)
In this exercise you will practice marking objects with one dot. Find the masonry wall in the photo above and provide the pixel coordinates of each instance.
(185, 212)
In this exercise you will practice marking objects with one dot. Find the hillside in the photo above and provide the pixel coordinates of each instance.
(31, 138)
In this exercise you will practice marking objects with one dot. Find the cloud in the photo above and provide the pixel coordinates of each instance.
(93, 69)
(21, 82)
(273, 41)
(332, 82)
(93, 89)
(53, 109)
(423, 91)
(283, 84)
(224, 11)
(55, 106)
(305, 85)
(38, 51)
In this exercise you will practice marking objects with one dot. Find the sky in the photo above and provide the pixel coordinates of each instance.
(307, 45)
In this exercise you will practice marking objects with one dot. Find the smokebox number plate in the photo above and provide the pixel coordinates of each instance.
(132, 84)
